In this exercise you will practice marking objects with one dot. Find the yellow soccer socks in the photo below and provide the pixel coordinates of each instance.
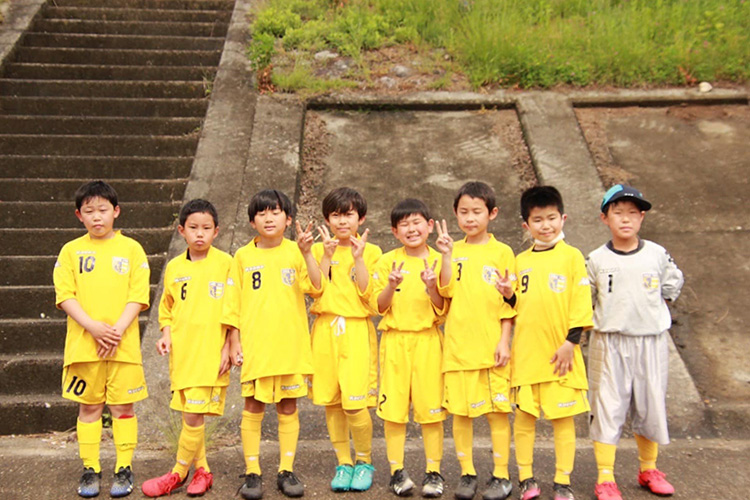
(338, 430)
(524, 434)
(125, 436)
(187, 448)
(500, 433)
(360, 424)
(395, 439)
(605, 462)
(565, 448)
(89, 439)
(288, 436)
(200, 455)
(648, 451)
(463, 436)
(432, 438)
(250, 432)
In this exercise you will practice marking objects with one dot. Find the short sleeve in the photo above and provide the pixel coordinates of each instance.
(167, 301)
(63, 277)
(581, 314)
(231, 309)
(671, 278)
(139, 288)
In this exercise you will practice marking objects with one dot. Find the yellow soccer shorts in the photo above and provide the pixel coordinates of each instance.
(345, 362)
(203, 400)
(104, 381)
(274, 389)
(551, 400)
(410, 373)
(472, 393)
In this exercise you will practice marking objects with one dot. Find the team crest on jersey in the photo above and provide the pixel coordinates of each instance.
(216, 289)
(121, 265)
(488, 274)
(651, 281)
(557, 283)
(288, 276)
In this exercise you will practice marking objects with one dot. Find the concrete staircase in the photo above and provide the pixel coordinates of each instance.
(97, 89)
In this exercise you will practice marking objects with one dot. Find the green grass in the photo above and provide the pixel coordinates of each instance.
(526, 43)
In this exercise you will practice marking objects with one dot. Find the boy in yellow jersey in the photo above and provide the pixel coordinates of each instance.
(344, 341)
(554, 307)
(477, 338)
(264, 306)
(196, 342)
(102, 283)
(405, 294)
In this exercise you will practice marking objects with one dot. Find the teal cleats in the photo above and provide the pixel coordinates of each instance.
(362, 479)
(342, 481)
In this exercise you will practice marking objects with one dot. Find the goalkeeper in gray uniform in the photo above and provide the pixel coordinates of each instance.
(631, 280)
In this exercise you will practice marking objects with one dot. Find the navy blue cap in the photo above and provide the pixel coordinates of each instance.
(620, 192)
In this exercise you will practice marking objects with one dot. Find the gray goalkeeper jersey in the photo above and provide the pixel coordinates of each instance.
(629, 289)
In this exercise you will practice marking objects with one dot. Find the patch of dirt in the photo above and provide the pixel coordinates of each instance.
(508, 128)
(593, 125)
(315, 149)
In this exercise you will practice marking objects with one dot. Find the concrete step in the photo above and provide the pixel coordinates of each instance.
(25, 302)
(98, 88)
(93, 167)
(152, 4)
(37, 270)
(216, 29)
(108, 145)
(130, 190)
(92, 41)
(77, 106)
(141, 15)
(30, 373)
(32, 336)
(119, 57)
(75, 125)
(29, 413)
(60, 214)
(26, 241)
(44, 71)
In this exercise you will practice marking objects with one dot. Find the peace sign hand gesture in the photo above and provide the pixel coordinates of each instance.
(304, 238)
(358, 244)
(329, 244)
(444, 241)
(428, 275)
(395, 277)
(504, 284)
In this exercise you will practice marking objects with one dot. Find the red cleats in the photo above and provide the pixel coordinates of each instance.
(607, 490)
(162, 485)
(655, 481)
(201, 483)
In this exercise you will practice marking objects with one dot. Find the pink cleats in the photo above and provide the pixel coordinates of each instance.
(607, 490)
(162, 485)
(655, 481)
(201, 483)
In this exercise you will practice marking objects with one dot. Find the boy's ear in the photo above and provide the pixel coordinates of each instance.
(362, 220)
(493, 213)
(181, 229)
(603, 217)
(394, 231)
(525, 226)
(117, 211)
(430, 225)
(288, 221)
(78, 214)
(564, 217)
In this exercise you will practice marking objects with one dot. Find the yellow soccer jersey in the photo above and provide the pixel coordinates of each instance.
(342, 296)
(103, 276)
(411, 309)
(553, 296)
(191, 306)
(472, 328)
(265, 299)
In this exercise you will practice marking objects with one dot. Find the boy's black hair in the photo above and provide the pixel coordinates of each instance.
(198, 206)
(407, 207)
(476, 189)
(95, 189)
(342, 200)
(540, 197)
(269, 199)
